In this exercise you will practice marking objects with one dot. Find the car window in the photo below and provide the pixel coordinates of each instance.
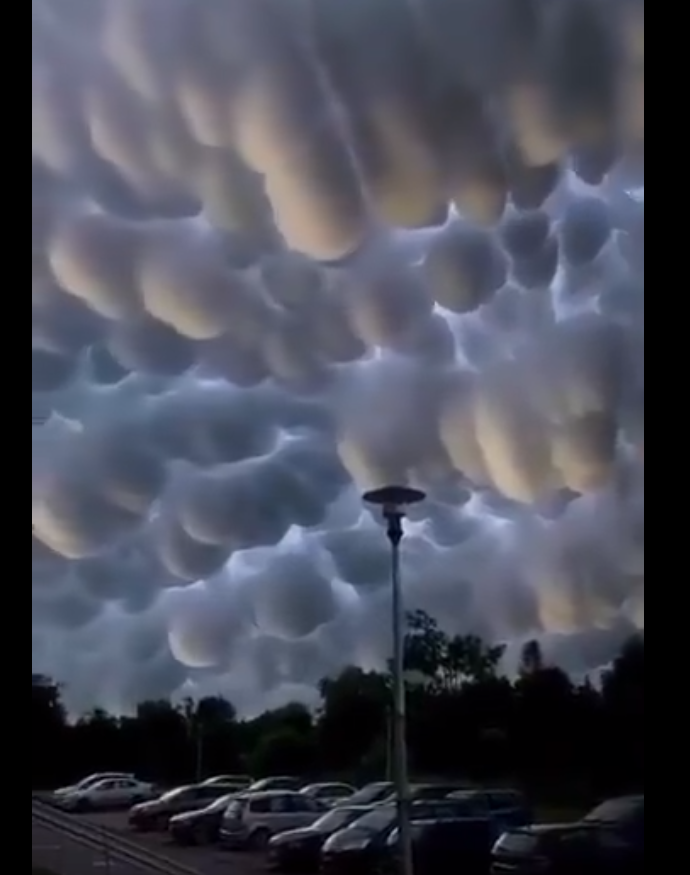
(435, 791)
(371, 793)
(504, 799)
(218, 804)
(337, 791)
(519, 843)
(91, 781)
(262, 805)
(104, 785)
(174, 795)
(337, 818)
(213, 792)
(456, 808)
(282, 804)
(616, 810)
(299, 803)
(419, 831)
(236, 808)
(274, 784)
(377, 820)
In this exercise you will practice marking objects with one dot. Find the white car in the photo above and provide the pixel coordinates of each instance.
(105, 793)
(252, 818)
(89, 780)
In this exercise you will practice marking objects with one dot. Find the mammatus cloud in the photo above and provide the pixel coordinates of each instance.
(286, 250)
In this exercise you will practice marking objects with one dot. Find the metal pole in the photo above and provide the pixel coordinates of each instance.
(199, 748)
(400, 776)
(394, 500)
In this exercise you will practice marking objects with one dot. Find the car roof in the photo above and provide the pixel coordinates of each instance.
(325, 784)
(361, 808)
(277, 778)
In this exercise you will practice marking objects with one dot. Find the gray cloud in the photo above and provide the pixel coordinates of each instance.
(283, 252)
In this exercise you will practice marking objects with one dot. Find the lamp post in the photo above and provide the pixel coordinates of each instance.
(394, 501)
(195, 732)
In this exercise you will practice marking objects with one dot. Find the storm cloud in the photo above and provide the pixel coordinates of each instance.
(284, 251)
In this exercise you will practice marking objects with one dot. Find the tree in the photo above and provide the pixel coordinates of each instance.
(285, 751)
(48, 729)
(531, 659)
(353, 716)
(543, 730)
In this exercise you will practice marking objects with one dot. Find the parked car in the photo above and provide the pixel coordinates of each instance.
(105, 793)
(435, 790)
(280, 782)
(430, 790)
(200, 826)
(442, 847)
(299, 850)
(88, 781)
(371, 794)
(155, 814)
(239, 781)
(251, 819)
(328, 792)
(366, 845)
(506, 808)
(607, 841)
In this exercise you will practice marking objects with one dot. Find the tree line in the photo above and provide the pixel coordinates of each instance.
(556, 738)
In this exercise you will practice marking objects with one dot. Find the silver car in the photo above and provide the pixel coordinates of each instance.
(107, 793)
(328, 792)
(251, 819)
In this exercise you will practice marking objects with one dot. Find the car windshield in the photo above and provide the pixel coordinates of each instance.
(230, 780)
(92, 780)
(86, 782)
(235, 808)
(177, 793)
(376, 821)
(370, 794)
(265, 783)
(219, 804)
(336, 819)
(616, 810)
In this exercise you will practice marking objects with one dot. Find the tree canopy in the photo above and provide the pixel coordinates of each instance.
(543, 731)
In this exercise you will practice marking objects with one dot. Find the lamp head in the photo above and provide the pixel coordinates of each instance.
(394, 499)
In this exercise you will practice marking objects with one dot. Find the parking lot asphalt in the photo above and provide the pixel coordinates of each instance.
(57, 854)
(67, 858)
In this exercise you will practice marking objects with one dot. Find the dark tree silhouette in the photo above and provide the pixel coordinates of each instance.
(560, 740)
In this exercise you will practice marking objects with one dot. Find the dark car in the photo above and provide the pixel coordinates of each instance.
(608, 841)
(155, 814)
(279, 782)
(434, 790)
(299, 850)
(371, 794)
(366, 845)
(442, 847)
(202, 825)
(508, 809)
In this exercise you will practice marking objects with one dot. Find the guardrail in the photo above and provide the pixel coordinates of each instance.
(112, 847)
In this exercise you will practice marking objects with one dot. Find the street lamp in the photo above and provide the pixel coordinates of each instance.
(195, 733)
(394, 501)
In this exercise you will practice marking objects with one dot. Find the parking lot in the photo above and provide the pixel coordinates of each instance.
(207, 860)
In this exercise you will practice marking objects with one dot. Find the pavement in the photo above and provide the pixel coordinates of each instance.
(64, 856)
